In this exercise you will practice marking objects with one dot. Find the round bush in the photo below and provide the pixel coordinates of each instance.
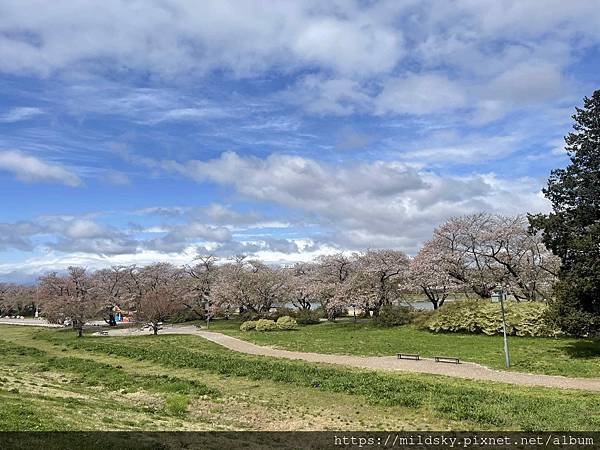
(266, 325)
(481, 316)
(393, 316)
(287, 323)
(249, 325)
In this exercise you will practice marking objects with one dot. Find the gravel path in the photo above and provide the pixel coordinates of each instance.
(466, 370)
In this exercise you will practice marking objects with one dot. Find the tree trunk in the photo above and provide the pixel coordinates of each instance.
(441, 301)
(155, 328)
(431, 296)
(79, 331)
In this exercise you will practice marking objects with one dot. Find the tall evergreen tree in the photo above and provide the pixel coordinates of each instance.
(572, 230)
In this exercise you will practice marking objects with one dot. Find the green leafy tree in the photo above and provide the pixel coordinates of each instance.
(572, 230)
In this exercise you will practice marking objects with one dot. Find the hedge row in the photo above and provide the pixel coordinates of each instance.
(477, 316)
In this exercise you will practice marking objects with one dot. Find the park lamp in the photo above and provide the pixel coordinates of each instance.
(499, 296)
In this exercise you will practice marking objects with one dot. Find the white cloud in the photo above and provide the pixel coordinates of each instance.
(444, 148)
(347, 54)
(116, 178)
(31, 169)
(29, 269)
(419, 94)
(237, 36)
(19, 114)
(366, 204)
(349, 47)
(84, 229)
(530, 82)
(321, 95)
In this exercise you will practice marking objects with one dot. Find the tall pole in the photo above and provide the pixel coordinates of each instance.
(207, 315)
(506, 354)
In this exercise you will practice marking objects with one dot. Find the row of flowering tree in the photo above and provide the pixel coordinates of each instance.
(471, 255)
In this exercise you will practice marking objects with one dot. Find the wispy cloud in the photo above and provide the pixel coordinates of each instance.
(20, 114)
(31, 169)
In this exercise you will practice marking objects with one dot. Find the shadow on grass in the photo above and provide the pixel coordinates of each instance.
(583, 349)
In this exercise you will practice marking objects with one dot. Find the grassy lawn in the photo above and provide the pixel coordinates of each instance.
(561, 356)
(175, 382)
(46, 384)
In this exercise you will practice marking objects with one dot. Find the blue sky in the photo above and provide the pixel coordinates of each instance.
(156, 130)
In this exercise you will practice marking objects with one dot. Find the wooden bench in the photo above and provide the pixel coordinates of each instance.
(413, 356)
(104, 333)
(446, 359)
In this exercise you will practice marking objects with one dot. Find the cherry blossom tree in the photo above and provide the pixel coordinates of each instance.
(429, 274)
(329, 278)
(360, 290)
(266, 284)
(6, 304)
(71, 297)
(248, 286)
(112, 288)
(527, 268)
(484, 250)
(456, 242)
(202, 277)
(160, 293)
(16, 299)
(378, 273)
(299, 286)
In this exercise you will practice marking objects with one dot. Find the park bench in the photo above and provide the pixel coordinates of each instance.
(104, 333)
(413, 356)
(446, 359)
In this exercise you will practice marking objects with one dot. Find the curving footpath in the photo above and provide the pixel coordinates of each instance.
(467, 370)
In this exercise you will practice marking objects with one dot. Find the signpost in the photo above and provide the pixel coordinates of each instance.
(500, 296)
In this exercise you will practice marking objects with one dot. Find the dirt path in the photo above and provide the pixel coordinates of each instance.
(466, 370)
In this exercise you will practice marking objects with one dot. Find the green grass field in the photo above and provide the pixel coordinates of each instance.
(552, 356)
(50, 380)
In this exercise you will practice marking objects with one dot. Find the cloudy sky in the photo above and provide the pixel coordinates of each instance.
(135, 131)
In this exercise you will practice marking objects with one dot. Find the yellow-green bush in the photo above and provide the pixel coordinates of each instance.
(266, 325)
(248, 325)
(480, 316)
(287, 323)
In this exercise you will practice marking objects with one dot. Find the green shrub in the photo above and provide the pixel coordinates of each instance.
(177, 404)
(266, 325)
(393, 316)
(420, 317)
(287, 323)
(307, 317)
(249, 325)
(480, 316)
(565, 313)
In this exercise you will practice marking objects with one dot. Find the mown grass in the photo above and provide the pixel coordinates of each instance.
(19, 412)
(92, 373)
(552, 356)
(36, 387)
(484, 404)
(62, 388)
